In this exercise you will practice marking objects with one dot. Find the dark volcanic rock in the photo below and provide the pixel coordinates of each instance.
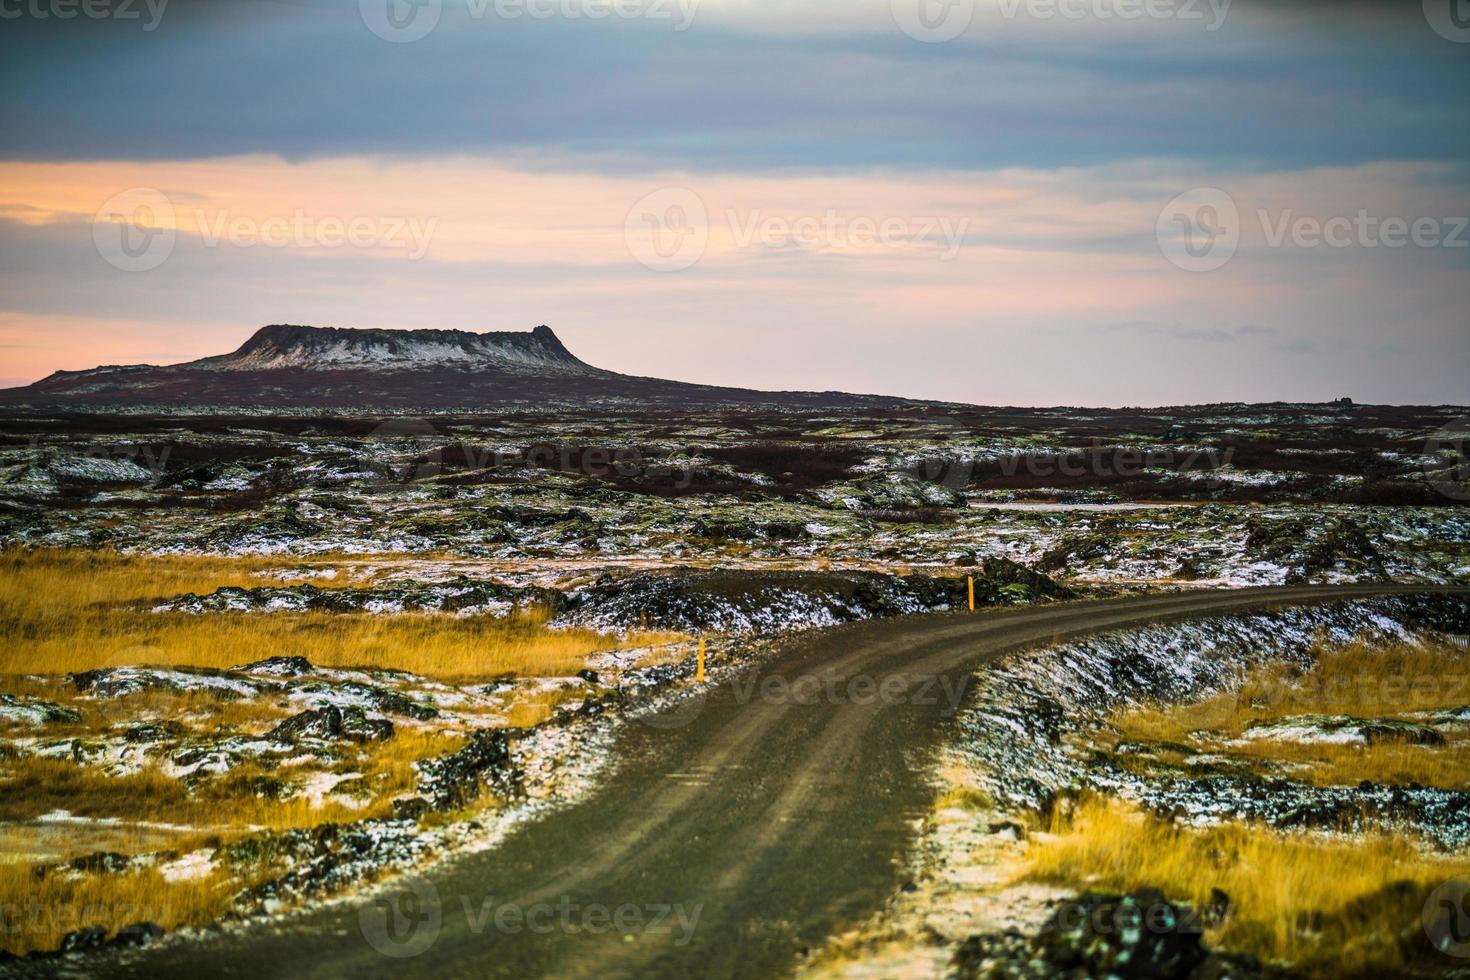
(137, 934)
(150, 732)
(279, 667)
(332, 722)
(451, 781)
(771, 601)
(457, 595)
(100, 862)
(1141, 934)
(36, 710)
(83, 940)
(1137, 936)
(388, 702)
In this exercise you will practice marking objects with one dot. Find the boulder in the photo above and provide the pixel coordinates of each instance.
(1138, 935)
(83, 940)
(451, 781)
(331, 723)
(137, 934)
(279, 667)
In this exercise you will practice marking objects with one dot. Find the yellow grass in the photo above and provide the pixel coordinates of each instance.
(34, 786)
(1446, 766)
(66, 611)
(1359, 680)
(1361, 894)
(36, 912)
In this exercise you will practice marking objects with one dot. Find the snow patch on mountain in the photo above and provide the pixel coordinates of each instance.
(333, 348)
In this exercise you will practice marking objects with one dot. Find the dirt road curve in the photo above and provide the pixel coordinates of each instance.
(729, 839)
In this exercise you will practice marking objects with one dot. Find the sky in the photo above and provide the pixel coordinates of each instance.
(1023, 202)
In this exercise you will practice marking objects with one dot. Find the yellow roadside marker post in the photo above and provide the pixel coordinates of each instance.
(700, 676)
(971, 579)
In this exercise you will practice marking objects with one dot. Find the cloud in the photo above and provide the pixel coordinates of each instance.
(1058, 293)
(817, 86)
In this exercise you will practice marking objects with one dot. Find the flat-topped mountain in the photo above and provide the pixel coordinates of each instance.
(333, 348)
(292, 368)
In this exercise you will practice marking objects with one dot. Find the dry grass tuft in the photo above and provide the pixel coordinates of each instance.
(1359, 680)
(1331, 908)
(67, 611)
(35, 913)
(237, 800)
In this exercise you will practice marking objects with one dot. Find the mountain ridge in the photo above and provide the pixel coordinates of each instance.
(298, 368)
(323, 348)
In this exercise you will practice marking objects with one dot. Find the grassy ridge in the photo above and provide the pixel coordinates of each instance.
(67, 611)
(1330, 907)
(1327, 904)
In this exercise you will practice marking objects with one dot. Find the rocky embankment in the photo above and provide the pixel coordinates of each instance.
(692, 602)
(1017, 731)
